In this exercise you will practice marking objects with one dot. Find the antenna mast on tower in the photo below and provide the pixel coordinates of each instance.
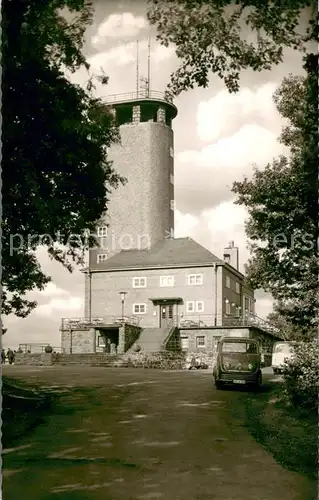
(149, 67)
(137, 70)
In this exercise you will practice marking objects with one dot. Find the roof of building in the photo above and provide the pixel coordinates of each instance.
(169, 252)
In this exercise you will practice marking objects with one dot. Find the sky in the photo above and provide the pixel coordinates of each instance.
(218, 138)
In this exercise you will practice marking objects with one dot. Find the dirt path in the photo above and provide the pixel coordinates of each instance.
(134, 435)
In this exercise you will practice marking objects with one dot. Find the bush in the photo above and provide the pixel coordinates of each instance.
(301, 376)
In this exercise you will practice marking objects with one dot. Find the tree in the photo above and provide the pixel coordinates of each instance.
(225, 37)
(55, 171)
(282, 203)
(289, 330)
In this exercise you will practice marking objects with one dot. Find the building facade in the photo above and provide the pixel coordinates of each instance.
(175, 279)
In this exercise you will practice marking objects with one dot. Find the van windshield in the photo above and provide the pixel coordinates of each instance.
(239, 347)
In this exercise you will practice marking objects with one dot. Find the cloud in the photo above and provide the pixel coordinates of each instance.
(52, 290)
(125, 53)
(119, 26)
(61, 305)
(184, 224)
(226, 112)
(204, 178)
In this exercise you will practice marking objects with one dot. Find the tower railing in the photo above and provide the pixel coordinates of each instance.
(141, 94)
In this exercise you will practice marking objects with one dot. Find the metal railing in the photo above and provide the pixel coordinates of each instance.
(35, 347)
(171, 325)
(207, 321)
(73, 323)
(141, 94)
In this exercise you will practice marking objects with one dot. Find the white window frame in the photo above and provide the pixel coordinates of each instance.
(167, 281)
(137, 308)
(227, 309)
(199, 309)
(237, 287)
(101, 257)
(190, 306)
(173, 205)
(197, 281)
(102, 231)
(200, 337)
(171, 152)
(171, 178)
(185, 338)
(137, 282)
(227, 282)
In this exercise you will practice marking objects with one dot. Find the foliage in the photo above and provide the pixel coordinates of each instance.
(279, 318)
(281, 201)
(301, 376)
(55, 172)
(225, 37)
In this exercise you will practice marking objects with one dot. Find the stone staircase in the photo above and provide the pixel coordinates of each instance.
(153, 339)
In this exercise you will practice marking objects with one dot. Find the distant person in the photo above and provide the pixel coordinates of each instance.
(3, 356)
(10, 356)
(20, 351)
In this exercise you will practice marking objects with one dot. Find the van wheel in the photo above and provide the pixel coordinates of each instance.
(275, 371)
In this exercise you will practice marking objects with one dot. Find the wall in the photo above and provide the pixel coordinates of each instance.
(230, 293)
(141, 207)
(37, 359)
(78, 341)
(131, 334)
(106, 287)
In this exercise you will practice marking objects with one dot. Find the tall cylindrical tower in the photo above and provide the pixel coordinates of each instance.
(141, 212)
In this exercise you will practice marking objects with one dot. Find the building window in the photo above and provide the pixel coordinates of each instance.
(171, 152)
(237, 287)
(101, 257)
(195, 279)
(100, 341)
(227, 307)
(171, 178)
(139, 308)
(200, 341)
(167, 281)
(247, 304)
(199, 306)
(227, 282)
(190, 307)
(102, 231)
(184, 343)
(173, 205)
(139, 282)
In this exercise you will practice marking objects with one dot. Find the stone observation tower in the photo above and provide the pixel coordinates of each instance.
(141, 212)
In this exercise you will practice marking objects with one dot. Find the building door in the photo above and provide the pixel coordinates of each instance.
(166, 314)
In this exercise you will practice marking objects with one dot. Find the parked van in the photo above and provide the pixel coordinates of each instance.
(238, 362)
(281, 351)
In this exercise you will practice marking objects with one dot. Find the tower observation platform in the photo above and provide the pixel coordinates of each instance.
(142, 106)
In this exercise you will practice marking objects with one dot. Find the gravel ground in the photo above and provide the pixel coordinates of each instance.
(122, 434)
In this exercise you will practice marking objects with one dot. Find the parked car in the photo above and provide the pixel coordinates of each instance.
(281, 352)
(238, 362)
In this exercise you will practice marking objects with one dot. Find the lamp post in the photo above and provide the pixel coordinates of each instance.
(122, 295)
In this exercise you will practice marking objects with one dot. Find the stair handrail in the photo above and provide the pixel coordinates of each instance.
(168, 331)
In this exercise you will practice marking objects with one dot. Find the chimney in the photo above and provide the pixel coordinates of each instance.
(231, 255)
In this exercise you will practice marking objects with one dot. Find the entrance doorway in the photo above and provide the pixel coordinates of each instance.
(166, 314)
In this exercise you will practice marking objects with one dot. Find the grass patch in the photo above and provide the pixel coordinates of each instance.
(289, 434)
(23, 408)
